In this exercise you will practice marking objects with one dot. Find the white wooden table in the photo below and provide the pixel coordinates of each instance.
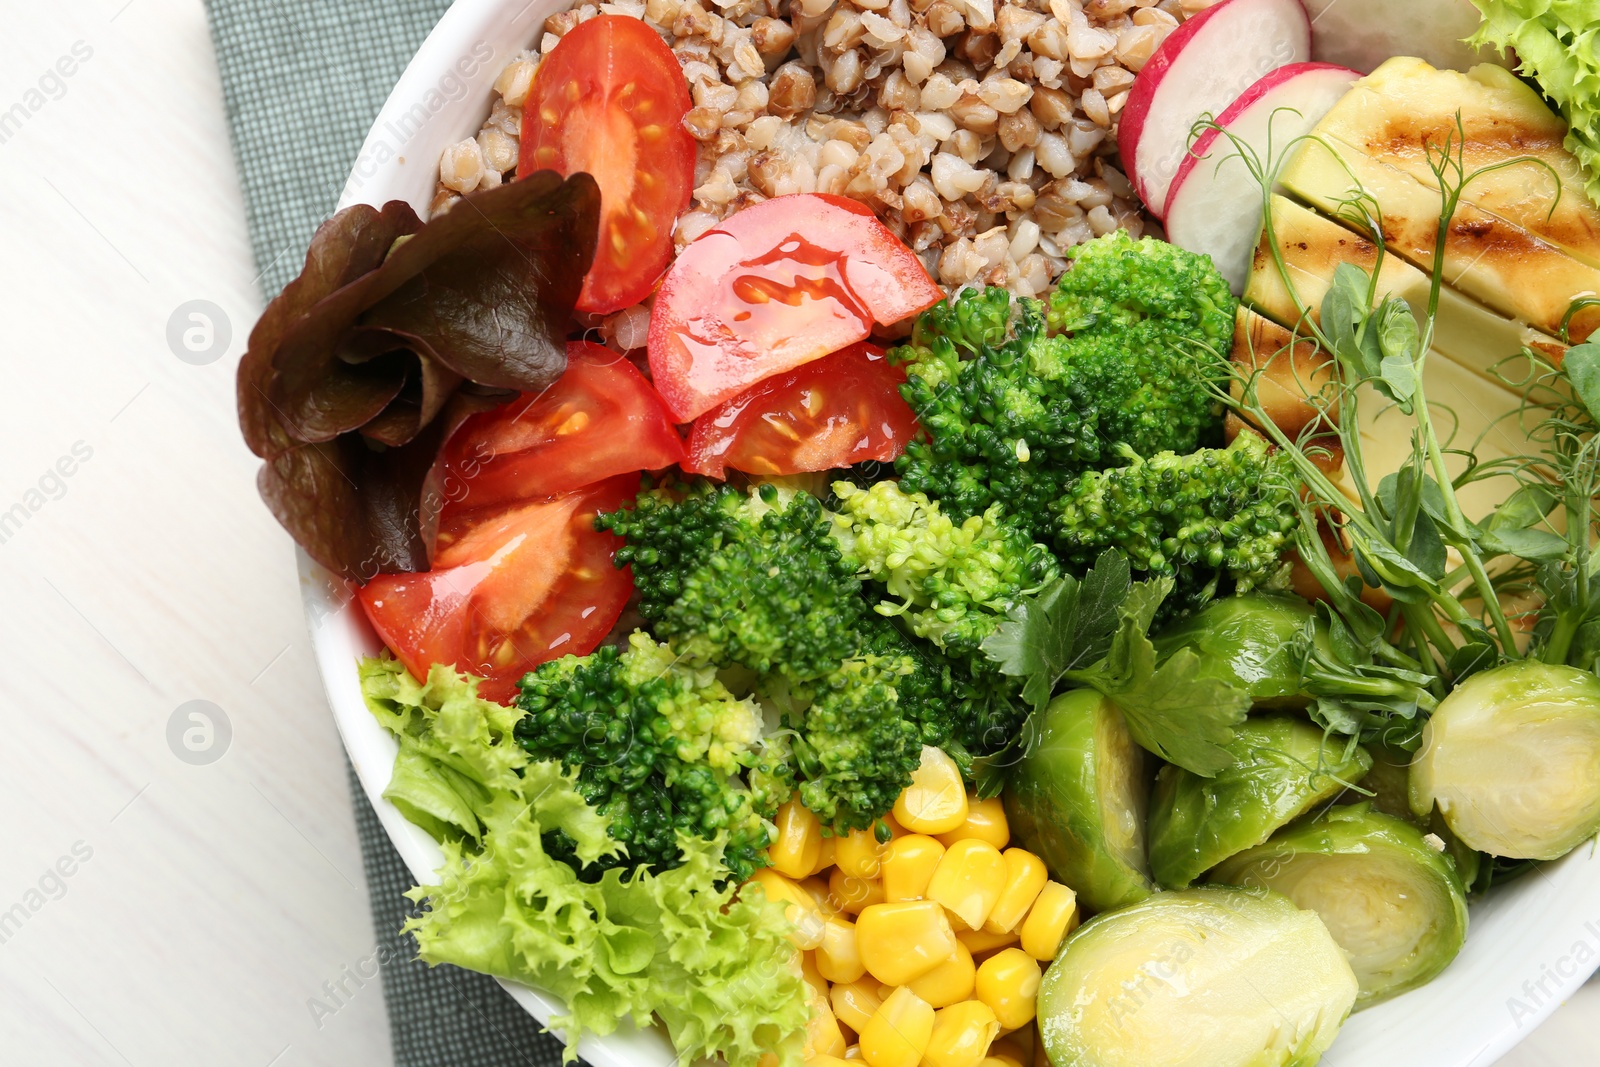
(208, 906)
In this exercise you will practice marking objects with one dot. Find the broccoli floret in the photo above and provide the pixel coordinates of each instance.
(1213, 516)
(952, 581)
(749, 578)
(1016, 400)
(965, 712)
(853, 749)
(659, 747)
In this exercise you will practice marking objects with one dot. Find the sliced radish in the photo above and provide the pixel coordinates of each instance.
(1199, 70)
(1214, 205)
(1364, 33)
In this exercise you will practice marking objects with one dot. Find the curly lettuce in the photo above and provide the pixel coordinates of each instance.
(716, 967)
(1557, 43)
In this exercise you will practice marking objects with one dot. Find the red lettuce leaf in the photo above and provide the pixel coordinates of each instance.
(396, 331)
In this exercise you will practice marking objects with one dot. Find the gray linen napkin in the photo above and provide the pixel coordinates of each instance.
(303, 80)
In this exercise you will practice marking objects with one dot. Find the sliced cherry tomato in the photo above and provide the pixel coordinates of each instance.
(841, 409)
(610, 100)
(600, 419)
(772, 287)
(510, 589)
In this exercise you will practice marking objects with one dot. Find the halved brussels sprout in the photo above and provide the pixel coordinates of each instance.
(1247, 642)
(1076, 799)
(1282, 768)
(1395, 903)
(1387, 787)
(1512, 760)
(1209, 977)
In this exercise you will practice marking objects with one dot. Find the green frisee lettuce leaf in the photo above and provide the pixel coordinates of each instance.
(715, 967)
(1556, 45)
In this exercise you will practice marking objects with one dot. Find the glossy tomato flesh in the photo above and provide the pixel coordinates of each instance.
(842, 409)
(610, 100)
(510, 588)
(600, 419)
(773, 287)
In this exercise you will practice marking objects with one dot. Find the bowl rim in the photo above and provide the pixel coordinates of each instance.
(450, 79)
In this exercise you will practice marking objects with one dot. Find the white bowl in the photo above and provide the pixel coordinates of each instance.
(1531, 944)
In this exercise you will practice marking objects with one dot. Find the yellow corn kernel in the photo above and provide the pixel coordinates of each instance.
(1017, 1044)
(860, 853)
(855, 1002)
(1053, 916)
(823, 1037)
(949, 983)
(799, 841)
(962, 1034)
(986, 821)
(826, 850)
(818, 888)
(983, 942)
(849, 894)
(826, 1061)
(903, 941)
(935, 802)
(838, 960)
(1025, 878)
(908, 866)
(853, 1053)
(898, 1032)
(813, 977)
(800, 908)
(969, 880)
(1008, 982)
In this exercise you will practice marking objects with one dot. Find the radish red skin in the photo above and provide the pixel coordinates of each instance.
(1202, 146)
(1273, 49)
(1207, 209)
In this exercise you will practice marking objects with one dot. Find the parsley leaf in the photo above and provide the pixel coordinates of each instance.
(1094, 631)
(1068, 625)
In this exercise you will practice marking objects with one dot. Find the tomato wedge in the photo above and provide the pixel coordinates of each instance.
(772, 287)
(841, 409)
(610, 100)
(510, 589)
(600, 419)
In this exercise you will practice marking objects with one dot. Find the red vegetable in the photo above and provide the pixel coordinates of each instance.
(610, 100)
(599, 420)
(510, 589)
(773, 287)
(841, 409)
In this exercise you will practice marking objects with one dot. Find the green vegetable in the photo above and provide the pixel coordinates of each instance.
(853, 748)
(1015, 399)
(1554, 44)
(1387, 789)
(1093, 633)
(481, 296)
(1213, 519)
(951, 582)
(968, 713)
(658, 746)
(748, 578)
(1214, 976)
(1392, 900)
(1076, 799)
(1248, 642)
(1282, 768)
(1511, 759)
(716, 967)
